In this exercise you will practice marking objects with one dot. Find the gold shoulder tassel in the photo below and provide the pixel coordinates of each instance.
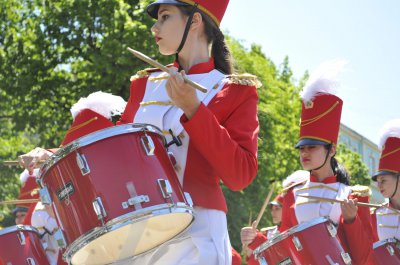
(244, 79)
(360, 191)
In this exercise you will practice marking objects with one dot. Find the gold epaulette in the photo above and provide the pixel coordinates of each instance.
(244, 79)
(143, 73)
(360, 191)
(266, 229)
(284, 190)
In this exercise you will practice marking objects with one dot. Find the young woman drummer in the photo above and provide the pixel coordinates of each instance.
(386, 221)
(319, 128)
(212, 135)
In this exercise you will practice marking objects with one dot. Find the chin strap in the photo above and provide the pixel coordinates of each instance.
(186, 32)
(326, 158)
(397, 183)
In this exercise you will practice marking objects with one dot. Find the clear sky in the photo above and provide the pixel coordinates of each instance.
(366, 33)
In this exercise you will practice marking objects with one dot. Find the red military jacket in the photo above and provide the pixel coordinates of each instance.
(223, 138)
(355, 237)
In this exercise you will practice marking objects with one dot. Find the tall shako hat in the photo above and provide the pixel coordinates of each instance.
(29, 190)
(92, 114)
(389, 162)
(321, 108)
(278, 201)
(213, 8)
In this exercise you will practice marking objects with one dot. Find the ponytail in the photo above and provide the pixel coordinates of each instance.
(220, 52)
(342, 175)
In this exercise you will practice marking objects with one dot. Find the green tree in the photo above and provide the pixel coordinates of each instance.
(353, 163)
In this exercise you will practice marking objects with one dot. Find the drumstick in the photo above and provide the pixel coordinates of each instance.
(165, 69)
(20, 201)
(260, 214)
(321, 199)
(16, 163)
(390, 208)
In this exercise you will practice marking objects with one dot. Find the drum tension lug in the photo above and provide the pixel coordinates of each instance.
(165, 188)
(390, 250)
(82, 164)
(331, 229)
(99, 209)
(346, 258)
(297, 243)
(30, 261)
(135, 200)
(21, 238)
(148, 144)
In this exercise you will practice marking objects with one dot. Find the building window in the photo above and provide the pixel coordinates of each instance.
(372, 166)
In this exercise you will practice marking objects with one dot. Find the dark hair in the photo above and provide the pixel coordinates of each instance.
(341, 173)
(219, 49)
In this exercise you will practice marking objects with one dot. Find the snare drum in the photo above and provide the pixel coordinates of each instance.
(387, 252)
(21, 244)
(312, 242)
(115, 194)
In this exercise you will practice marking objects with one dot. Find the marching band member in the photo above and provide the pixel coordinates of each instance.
(319, 129)
(213, 135)
(251, 237)
(386, 221)
(29, 190)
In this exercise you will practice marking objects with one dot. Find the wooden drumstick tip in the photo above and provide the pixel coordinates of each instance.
(156, 64)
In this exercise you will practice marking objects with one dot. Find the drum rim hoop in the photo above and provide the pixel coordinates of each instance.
(17, 228)
(121, 221)
(383, 242)
(285, 234)
(92, 138)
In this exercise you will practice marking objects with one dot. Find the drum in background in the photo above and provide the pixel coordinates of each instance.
(115, 194)
(312, 242)
(387, 252)
(20, 245)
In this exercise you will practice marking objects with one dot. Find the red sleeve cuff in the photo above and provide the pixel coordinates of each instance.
(260, 238)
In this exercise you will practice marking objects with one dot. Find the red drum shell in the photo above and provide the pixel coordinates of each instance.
(281, 248)
(21, 244)
(387, 252)
(111, 166)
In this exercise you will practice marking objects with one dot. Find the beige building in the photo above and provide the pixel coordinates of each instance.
(368, 150)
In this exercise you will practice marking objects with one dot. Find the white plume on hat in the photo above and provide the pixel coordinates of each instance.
(390, 129)
(323, 80)
(296, 177)
(102, 103)
(23, 177)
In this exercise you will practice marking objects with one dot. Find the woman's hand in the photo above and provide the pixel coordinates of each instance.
(349, 210)
(248, 234)
(33, 159)
(182, 95)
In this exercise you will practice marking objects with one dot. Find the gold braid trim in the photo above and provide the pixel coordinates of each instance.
(153, 102)
(390, 153)
(140, 74)
(155, 79)
(245, 80)
(192, 3)
(360, 191)
(309, 121)
(81, 125)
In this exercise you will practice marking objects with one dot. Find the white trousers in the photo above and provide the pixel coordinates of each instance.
(206, 242)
